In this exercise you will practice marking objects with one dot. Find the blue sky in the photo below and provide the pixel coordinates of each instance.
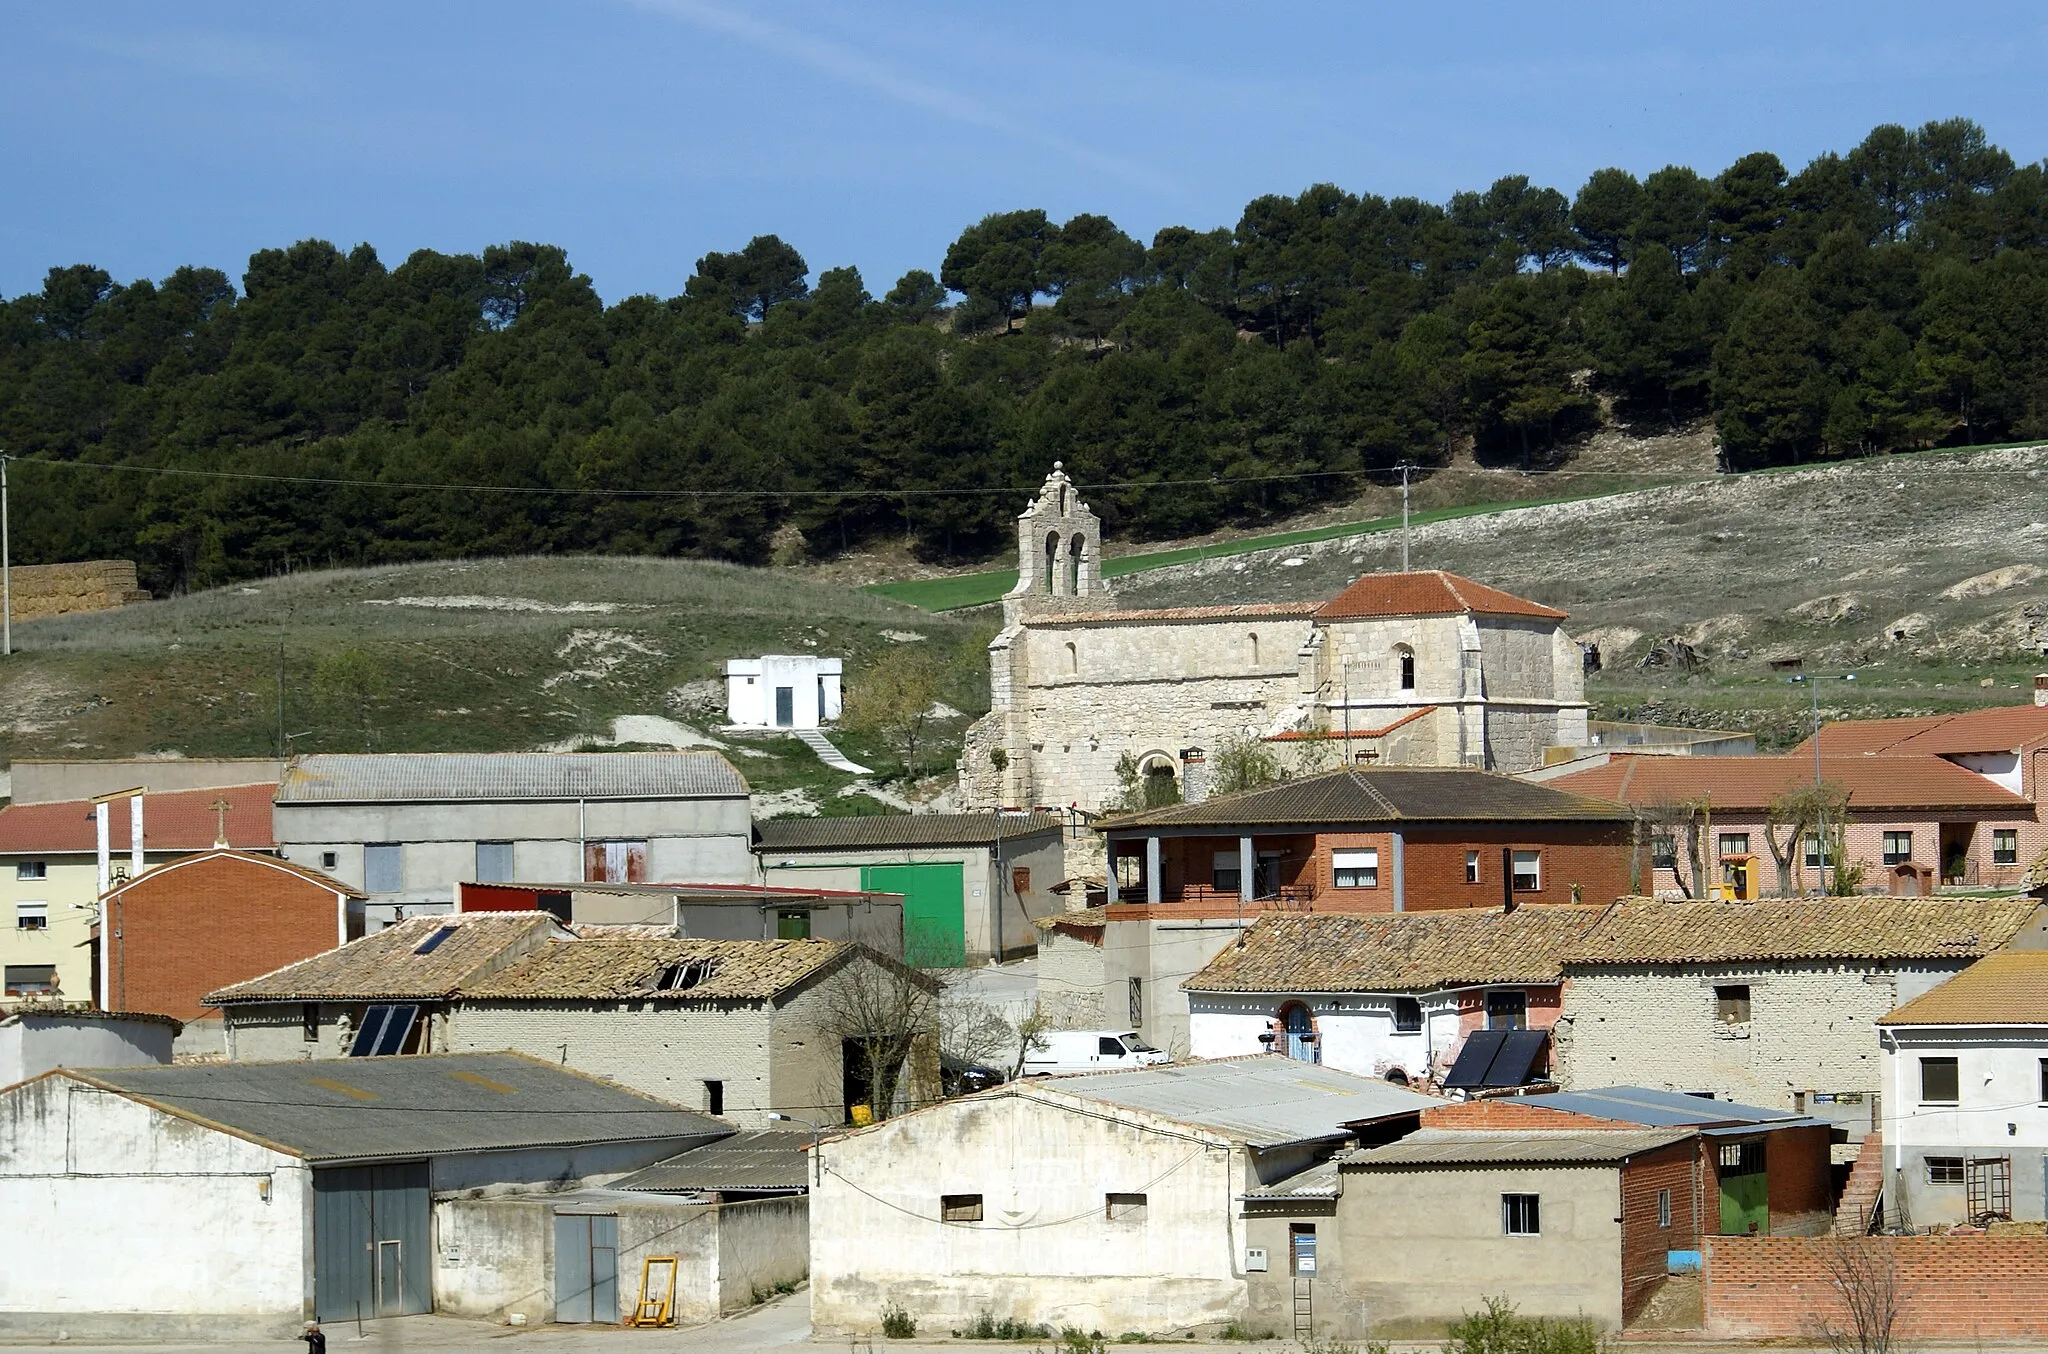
(638, 134)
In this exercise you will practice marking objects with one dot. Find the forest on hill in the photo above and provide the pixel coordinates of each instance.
(335, 410)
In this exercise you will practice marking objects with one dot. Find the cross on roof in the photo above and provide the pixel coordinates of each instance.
(220, 809)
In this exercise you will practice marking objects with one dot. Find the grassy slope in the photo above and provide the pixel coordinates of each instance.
(199, 674)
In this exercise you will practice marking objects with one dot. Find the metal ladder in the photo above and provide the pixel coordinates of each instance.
(1304, 1308)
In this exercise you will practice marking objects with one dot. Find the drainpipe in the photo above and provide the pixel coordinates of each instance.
(1398, 868)
(582, 846)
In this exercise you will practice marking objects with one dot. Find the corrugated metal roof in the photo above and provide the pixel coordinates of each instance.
(1317, 1182)
(1875, 784)
(1391, 794)
(176, 820)
(387, 965)
(1446, 1147)
(1397, 951)
(775, 1159)
(1640, 931)
(1263, 1100)
(1430, 592)
(1660, 1109)
(2009, 988)
(900, 829)
(366, 1109)
(446, 777)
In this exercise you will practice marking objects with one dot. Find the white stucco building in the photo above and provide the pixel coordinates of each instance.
(36, 1039)
(1420, 669)
(782, 691)
(1966, 1097)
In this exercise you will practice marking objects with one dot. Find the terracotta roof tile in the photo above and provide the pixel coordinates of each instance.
(388, 966)
(1641, 931)
(2008, 988)
(177, 820)
(1385, 794)
(1995, 729)
(1175, 614)
(607, 968)
(1428, 593)
(1873, 783)
(1398, 952)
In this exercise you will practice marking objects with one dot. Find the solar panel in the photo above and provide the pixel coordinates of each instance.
(1481, 1047)
(1511, 1065)
(383, 1031)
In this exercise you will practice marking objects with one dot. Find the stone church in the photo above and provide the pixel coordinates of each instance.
(1399, 669)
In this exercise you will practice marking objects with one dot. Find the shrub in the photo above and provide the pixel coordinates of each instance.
(1237, 1330)
(1497, 1330)
(897, 1323)
(986, 1327)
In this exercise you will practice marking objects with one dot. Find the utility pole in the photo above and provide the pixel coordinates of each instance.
(1404, 468)
(1820, 812)
(6, 568)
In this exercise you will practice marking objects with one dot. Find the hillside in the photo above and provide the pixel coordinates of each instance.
(486, 655)
(1922, 573)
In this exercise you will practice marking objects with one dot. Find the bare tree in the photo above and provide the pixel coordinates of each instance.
(1863, 1275)
(1795, 814)
(884, 1016)
(1686, 823)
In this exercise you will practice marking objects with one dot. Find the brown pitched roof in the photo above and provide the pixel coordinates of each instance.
(2008, 988)
(1388, 794)
(177, 820)
(388, 966)
(1998, 728)
(1398, 951)
(1873, 783)
(900, 829)
(1640, 931)
(1428, 593)
(607, 968)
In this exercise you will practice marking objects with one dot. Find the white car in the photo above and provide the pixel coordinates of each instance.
(1057, 1051)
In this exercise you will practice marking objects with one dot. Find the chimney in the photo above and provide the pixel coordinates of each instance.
(2041, 688)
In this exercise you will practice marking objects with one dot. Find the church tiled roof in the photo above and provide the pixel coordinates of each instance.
(1428, 593)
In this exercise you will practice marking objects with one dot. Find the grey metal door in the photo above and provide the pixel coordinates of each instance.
(370, 1241)
(586, 1267)
(785, 706)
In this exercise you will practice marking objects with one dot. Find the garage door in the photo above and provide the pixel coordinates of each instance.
(934, 922)
(370, 1241)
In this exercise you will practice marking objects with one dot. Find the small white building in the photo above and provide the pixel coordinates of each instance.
(1112, 1202)
(36, 1039)
(1966, 1097)
(782, 691)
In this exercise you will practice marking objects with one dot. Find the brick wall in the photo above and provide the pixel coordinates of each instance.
(1864, 843)
(183, 930)
(1593, 856)
(60, 589)
(1962, 1288)
(1644, 1241)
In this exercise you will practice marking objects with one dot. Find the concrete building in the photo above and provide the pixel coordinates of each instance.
(1189, 877)
(707, 911)
(1397, 996)
(237, 1200)
(782, 691)
(1422, 668)
(1966, 1097)
(51, 780)
(176, 932)
(1072, 987)
(1916, 821)
(38, 1039)
(1106, 1202)
(970, 882)
(737, 1028)
(50, 865)
(405, 827)
(1770, 1003)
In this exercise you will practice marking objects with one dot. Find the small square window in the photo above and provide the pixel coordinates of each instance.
(1664, 1208)
(959, 1208)
(1898, 847)
(1940, 1081)
(1224, 874)
(1812, 857)
(1471, 867)
(1520, 1215)
(1731, 1004)
(2005, 846)
(1507, 1009)
(329, 859)
(31, 869)
(1734, 843)
(1944, 1170)
(1123, 1207)
(1407, 1015)
(31, 916)
(1663, 852)
(1528, 867)
(1355, 869)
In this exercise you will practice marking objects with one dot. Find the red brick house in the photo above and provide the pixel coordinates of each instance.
(1916, 819)
(210, 920)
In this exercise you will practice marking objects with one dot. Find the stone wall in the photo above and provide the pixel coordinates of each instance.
(41, 590)
(1953, 1288)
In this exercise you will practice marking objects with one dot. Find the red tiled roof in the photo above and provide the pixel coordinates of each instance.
(1429, 593)
(1873, 783)
(1997, 729)
(178, 820)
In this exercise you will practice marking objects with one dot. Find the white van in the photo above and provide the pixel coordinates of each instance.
(1088, 1051)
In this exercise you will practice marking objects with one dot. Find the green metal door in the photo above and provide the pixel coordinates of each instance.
(934, 916)
(1745, 1189)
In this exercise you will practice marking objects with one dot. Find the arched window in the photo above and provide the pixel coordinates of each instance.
(1074, 546)
(1251, 650)
(1159, 784)
(1073, 661)
(1052, 561)
(1404, 659)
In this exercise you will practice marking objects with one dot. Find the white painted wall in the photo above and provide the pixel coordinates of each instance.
(2000, 1112)
(2002, 768)
(136, 1211)
(751, 683)
(1356, 1029)
(1044, 1250)
(31, 1043)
